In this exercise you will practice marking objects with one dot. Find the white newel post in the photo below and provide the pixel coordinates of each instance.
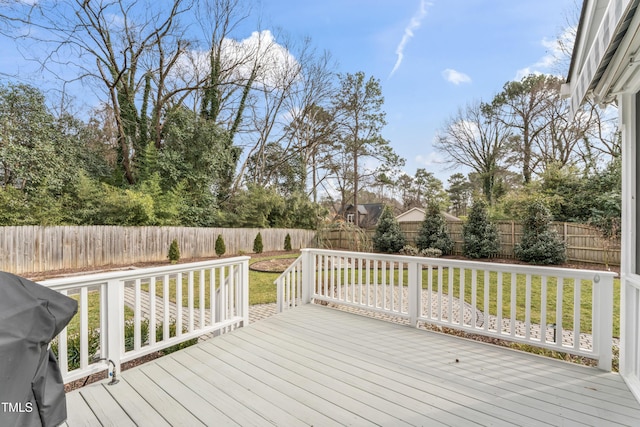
(115, 322)
(603, 320)
(244, 301)
(308, 271)
(414, 292)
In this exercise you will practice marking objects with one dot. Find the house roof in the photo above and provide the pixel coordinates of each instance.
(370, 212)
(602, 51)
(447, 216)
(409, 212)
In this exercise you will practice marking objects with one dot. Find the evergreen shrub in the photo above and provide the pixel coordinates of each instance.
(388, 237)
(257, 244)
(479, 234)
(174, 252)
(220, 247)
(540, 244)
(433, 231)
(287, 242)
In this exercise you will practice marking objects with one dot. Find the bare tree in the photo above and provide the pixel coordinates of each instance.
(475, 138)
(129, 48)
(311, 129)
(562, 140)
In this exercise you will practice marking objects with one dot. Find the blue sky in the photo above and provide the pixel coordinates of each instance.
(485, 43)
(431, 57)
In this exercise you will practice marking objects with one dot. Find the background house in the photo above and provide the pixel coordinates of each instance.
(368, 213)
(417, 215)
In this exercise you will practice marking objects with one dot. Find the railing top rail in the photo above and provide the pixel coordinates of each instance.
(445, 262)
(98, 278)
(291, 267)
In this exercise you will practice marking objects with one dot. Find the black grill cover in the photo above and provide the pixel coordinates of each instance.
(31, 387)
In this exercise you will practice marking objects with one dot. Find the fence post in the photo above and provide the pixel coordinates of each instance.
(114, 325)
(603, 320)
(308, 275)
(415, 293)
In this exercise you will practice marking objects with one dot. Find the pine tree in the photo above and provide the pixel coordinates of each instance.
(220, 247)
(257, 244)
(388, 236)
(540, 244)
(480, 235)
(433, 231)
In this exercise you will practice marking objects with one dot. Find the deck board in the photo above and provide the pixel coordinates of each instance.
(546, 406)
(319, 366)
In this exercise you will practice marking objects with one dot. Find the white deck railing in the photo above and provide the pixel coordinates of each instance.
(127, 314)
(565, 310)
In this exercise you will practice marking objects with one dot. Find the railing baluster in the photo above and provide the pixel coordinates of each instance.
(400, 287)
(487, 295)
(429, 306)
(462, 292)
(190, 301)
(527, 314)
(375, 283)
(450, 294)
(222, 313)
(384, 284)
(577, 285)
(392, 291)
(498, 306)
(137, 316)
(152, 310)
(474, 296)
(513, 315)
(543, 309)
(368, 281)
(325, 262)
(440, 291)
(360, 288)
(165, 307)
(212, 296)
(559, 298)
(201, 298)
(179, 304)
(84, 328)
(353, 280)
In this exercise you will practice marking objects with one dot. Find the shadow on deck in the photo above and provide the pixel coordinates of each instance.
(318, 366)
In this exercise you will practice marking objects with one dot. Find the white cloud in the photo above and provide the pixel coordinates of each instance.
(414, 24)
(240, 56)
(455, 77)
(430, 159)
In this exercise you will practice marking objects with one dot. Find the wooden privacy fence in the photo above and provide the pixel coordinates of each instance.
(33, 249)
(584, 243)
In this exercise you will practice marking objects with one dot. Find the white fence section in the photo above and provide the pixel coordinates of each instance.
(127, 314)
(565, 310)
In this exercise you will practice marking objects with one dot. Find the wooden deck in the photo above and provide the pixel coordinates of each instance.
(318, 366)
